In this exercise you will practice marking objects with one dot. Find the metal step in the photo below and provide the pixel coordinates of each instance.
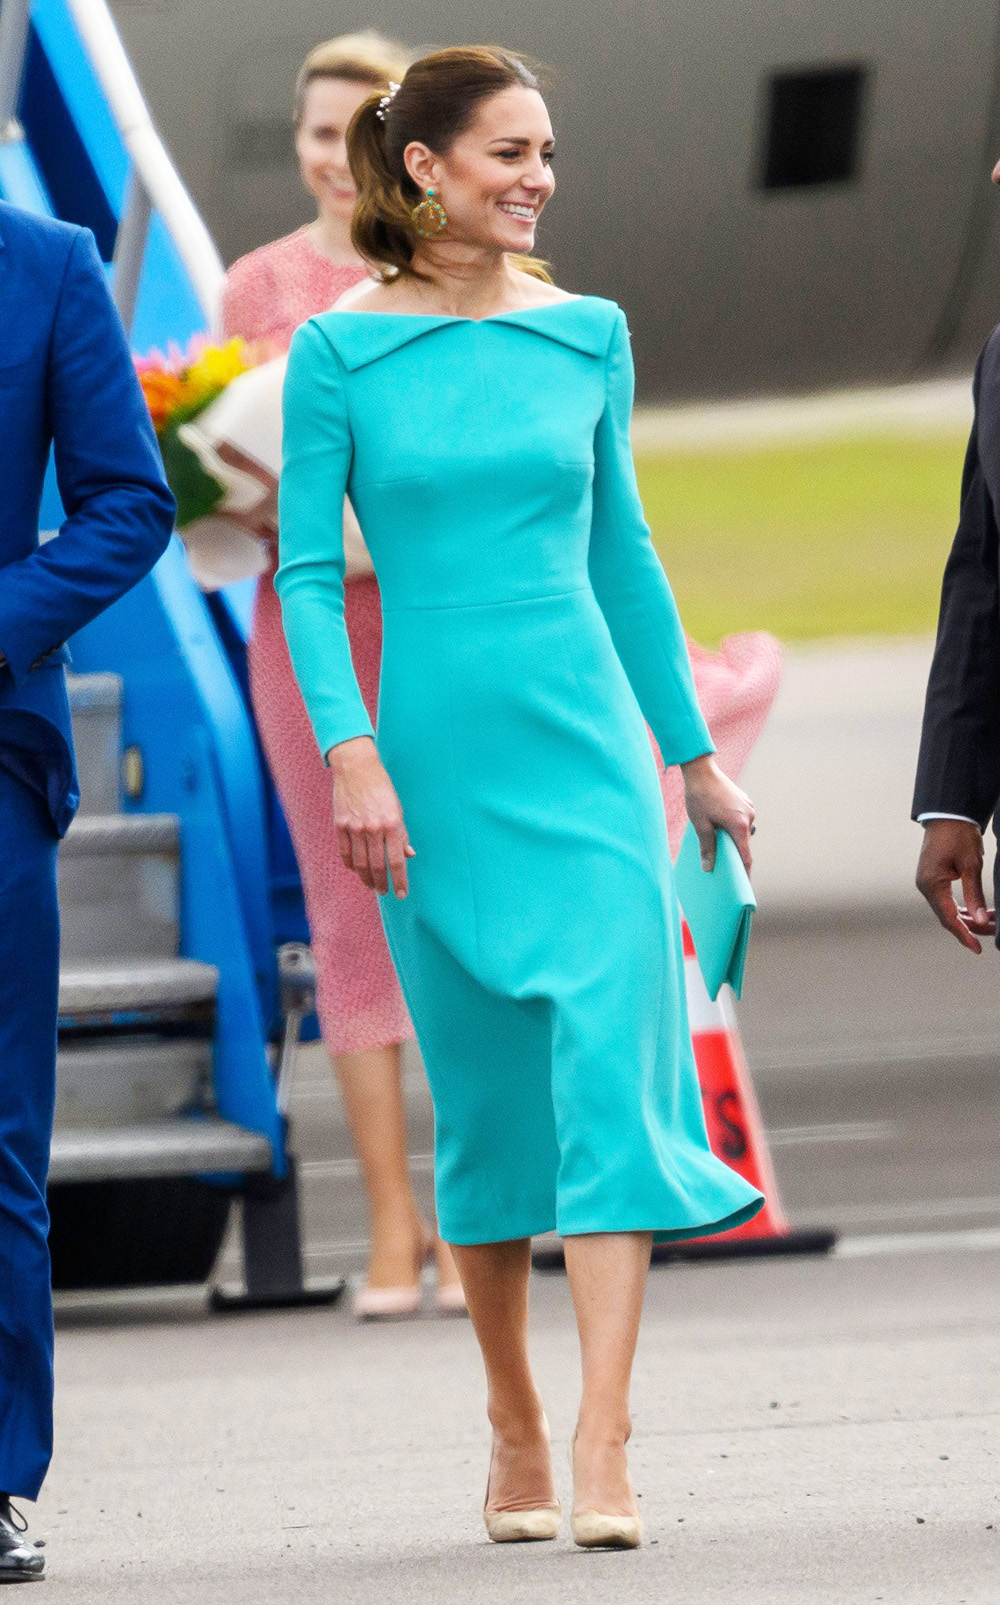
(119, 888)
(171, 991)
(126, 1080)
(121, 835)
(182, 1147)
(95, 702)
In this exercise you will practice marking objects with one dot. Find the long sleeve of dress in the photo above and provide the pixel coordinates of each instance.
(310, 580)
(629, 582)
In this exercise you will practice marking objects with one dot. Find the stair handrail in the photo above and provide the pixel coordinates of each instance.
(13, 41)
(155, 180)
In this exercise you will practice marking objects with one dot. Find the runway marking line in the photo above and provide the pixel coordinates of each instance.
(976, 1240)
(834, 1131)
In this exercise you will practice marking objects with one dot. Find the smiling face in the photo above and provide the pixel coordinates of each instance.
(496, 176)
(321, 143)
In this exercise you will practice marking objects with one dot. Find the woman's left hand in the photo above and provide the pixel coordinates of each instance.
(713, 803)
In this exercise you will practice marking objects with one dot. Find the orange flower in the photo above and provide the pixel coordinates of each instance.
(179, 385)
(163, 392)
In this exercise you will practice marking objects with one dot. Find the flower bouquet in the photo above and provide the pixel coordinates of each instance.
(217, 415)
(178, 387)
(224, 488)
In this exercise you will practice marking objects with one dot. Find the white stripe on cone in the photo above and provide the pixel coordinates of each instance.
(704, 1015)
(719, 1019)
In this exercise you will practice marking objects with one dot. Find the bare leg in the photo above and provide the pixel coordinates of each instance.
(371, 1084)
(372, 1087)
(607, 1277)
(495, 1277)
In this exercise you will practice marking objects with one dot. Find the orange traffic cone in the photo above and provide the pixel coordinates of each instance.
(735, 1131)
(736, 1135)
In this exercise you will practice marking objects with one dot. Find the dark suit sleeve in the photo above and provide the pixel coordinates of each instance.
(958, 770)
(119, 512)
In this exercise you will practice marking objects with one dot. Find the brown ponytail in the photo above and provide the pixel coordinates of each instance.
(437, 100)
(381, 230)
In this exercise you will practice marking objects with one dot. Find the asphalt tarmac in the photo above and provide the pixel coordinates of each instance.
(806, 1430)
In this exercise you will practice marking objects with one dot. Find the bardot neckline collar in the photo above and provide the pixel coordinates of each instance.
(584, 323)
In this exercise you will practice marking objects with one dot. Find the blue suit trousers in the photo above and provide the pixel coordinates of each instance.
(29, 1002)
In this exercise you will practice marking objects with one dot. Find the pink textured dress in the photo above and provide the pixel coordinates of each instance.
(267, 295)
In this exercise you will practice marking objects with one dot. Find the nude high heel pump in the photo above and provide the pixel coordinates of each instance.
(393, 1303)
(520, 1526)
(450, 1299)
(595, 1529)
(387, 1303)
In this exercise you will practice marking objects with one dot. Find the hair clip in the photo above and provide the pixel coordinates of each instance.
(386, 101)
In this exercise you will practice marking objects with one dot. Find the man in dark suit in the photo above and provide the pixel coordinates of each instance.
(66, 380)
(958, 772)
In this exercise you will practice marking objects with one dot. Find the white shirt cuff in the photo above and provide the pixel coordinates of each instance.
(924, 819)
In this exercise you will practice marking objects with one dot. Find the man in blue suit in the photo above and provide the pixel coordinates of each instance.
(66, 381)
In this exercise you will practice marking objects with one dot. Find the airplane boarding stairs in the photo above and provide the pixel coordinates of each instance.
(184, 981)
(136, 1115)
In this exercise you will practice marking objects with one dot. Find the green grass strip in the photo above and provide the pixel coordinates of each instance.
(846, 537)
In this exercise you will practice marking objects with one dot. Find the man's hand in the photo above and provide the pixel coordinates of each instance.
(953, 851)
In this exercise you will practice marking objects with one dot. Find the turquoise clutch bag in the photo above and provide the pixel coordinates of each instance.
(718, 908)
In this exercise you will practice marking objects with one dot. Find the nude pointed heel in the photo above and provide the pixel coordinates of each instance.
(450, 1299)
(393, 1303)
(520, 1526)
(523, 1526)
(593, 1529)
(386, 1303)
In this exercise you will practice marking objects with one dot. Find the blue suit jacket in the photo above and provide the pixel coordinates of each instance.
(66, 379)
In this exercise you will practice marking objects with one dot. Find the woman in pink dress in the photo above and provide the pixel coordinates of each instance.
(362, 1015)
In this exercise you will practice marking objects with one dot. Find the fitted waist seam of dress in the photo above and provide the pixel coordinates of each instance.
(507, 601)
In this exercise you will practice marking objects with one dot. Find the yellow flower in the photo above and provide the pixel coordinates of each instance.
(214, 368)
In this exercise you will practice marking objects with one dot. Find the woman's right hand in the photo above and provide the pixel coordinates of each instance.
(714, 802)
(368, 817)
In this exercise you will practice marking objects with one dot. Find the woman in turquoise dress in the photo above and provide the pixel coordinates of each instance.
(509, 811)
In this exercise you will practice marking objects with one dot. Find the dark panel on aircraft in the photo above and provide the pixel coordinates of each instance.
(813, 130)
(663, 109)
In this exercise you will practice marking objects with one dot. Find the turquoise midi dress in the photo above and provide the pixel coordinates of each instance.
(528, 627)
